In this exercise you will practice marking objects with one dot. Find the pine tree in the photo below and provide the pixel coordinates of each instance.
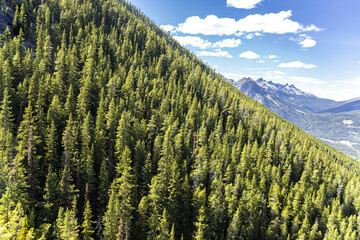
(235, 226)
(69, 160)
(67, 224)
(202, 228)
(86, 168)
(17, 21)
(51, 196)
(6, 139)
(172, 233)
(15, 225)
(120, 203)
(87, 225)
(163, 228)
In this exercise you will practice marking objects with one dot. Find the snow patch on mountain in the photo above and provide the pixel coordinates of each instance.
(285, 88)
(348, 143)
(348, 122)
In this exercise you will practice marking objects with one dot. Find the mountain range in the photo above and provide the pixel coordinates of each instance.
(334, 122)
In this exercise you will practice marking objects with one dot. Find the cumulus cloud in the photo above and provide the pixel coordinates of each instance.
(358, 61)
(216, 53)
(211, 25)
(304, 41)
(249, 36)
(244, 4)
(193, 41)
(307, 43)
(277, 23)
(311, 28)
(297, 64)
(274, 23)
(230, 43)
(249, 55)
(167, 28)
(203, 44)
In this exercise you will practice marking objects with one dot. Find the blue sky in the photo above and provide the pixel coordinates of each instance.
(312, 44)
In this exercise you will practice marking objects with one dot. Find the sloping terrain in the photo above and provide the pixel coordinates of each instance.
(109, 129)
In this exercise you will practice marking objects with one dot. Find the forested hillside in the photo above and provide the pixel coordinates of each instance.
(109, 129)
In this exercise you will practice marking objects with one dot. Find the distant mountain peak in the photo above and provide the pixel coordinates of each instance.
(284, 88)
(336, 123)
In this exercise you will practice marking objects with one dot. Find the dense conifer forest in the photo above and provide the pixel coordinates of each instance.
(109, 129)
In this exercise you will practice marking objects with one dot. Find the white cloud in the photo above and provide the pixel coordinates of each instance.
(297, 64)
(211, 25)
(271, 56)
(249, 36)
(167, 28)
(275, 23)
(231, 43)
(311, 28)
(249, 55)
(260, 61)
(245, 4)
(203, 44)
(216, 53)
(307, 43)
(358, 61)
(193, 41)
(252, 35)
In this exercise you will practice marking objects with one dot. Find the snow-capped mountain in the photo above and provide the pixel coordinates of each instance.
(284, 88)
(336, 123)
(273, 94)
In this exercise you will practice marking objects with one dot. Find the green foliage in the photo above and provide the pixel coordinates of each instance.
(87, 225)
(16, 225)
(98, 101)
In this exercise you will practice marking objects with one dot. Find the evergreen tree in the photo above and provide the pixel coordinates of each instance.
(120, 204)
(67, 224)
(87, 225)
